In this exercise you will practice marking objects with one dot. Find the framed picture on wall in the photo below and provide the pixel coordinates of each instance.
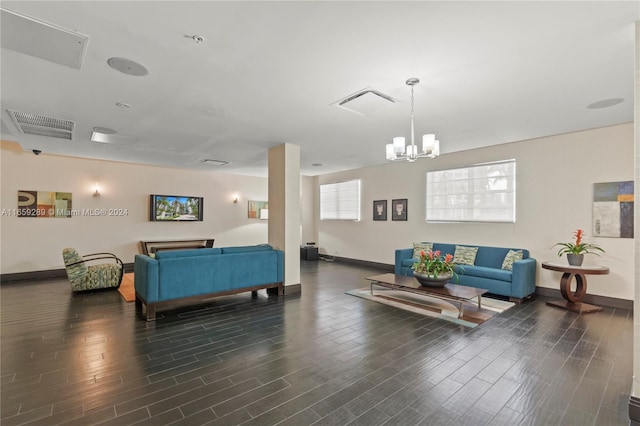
(399, 209)
(380, 210)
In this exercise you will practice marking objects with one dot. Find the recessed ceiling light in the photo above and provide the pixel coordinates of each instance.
(123, 105)
(605, 103)
(127, 66)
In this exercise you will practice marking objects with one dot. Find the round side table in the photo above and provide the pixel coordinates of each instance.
(573, 299)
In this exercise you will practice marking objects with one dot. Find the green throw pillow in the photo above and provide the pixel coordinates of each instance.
(465, 255)
(511, 257)
(417, 247)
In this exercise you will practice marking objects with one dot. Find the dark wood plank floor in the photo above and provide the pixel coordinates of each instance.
(323, 358)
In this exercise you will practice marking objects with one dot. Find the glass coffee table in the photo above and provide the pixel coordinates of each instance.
(450, 292)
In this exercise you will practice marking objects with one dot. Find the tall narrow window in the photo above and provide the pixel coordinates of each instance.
(480, 193)
(340, 200)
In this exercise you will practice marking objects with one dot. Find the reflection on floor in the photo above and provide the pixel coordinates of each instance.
(323, 357)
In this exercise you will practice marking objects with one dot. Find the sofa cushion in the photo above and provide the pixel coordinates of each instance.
(484, 272)
(512, 256)
(245, 249)
(418, 247)
(465, 255)
(173, 254)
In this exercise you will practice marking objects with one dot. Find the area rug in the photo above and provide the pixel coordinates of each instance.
(126, 289)
(436, 308)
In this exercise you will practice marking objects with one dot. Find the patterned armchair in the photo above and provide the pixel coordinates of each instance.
(88, 277)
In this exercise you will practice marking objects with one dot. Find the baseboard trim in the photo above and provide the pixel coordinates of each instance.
(360, 262)
(43, 275)
(293, 289)
(634, 408)
(610, 302)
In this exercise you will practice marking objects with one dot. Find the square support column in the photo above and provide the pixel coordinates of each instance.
(284, 210)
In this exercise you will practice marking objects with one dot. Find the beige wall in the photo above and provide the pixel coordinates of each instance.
(555, 177)
(32, 244)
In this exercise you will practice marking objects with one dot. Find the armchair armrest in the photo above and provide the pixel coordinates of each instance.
(523, 282)
(98, 256)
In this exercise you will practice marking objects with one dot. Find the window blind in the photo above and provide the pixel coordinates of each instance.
(340, 201)
(479, 193)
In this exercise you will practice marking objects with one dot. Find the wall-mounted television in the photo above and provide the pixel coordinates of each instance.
(172, 208)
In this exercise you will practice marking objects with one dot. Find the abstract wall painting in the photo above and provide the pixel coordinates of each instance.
(43, 204)
(613, 205)
(258, 210)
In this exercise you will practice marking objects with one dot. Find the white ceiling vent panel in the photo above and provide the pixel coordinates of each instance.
(34, 124)
(365, 102)
(42, 40)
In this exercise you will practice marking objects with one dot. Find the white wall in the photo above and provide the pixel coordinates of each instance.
(32, 244)
(555, 177)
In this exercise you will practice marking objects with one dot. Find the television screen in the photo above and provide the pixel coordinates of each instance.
(169, 208)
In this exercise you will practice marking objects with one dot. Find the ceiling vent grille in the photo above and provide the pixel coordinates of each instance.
(365, 102)
(34, 124)
(214, 162)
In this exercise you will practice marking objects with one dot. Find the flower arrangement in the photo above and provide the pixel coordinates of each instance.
(579, 247)
(433, 263)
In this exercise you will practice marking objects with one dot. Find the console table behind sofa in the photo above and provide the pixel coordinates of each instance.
(150, 247)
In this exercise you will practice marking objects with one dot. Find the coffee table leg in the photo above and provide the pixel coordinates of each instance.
(479, 302)
(461, 311)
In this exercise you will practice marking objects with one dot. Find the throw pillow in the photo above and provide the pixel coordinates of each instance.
(511, 257)
(418, 247)
(465, 255)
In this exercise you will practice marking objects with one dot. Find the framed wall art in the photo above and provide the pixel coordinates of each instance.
(44, 204)
(258, 210)
(380, 210)
(613, 206)
(399, 209)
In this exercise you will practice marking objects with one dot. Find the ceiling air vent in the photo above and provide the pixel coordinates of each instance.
(365, 102)
(34, 124)
(214, 162)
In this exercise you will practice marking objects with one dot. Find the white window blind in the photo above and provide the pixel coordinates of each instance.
(340, 201)
(480, 193)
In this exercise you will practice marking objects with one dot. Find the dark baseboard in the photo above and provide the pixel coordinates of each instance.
(293, 289)
(359, 262)
(594, 299)
(43, 275)
(634, 409)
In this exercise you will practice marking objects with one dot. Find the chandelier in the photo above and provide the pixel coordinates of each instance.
(398, 151)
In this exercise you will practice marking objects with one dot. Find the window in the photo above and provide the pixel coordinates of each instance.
(340, 200)
(480, 193)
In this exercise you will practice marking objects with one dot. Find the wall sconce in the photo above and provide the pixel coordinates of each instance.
(235, 198)
(97, 191)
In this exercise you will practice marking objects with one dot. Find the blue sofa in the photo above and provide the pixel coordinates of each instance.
(486, 272)
(193, 275)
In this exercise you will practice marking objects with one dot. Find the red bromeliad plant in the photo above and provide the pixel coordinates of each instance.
(433, 263)
(579, 247)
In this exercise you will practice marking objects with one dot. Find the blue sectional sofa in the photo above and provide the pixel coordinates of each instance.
(486, 272)
(192, 275)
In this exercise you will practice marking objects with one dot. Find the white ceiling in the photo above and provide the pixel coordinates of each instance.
(268, 72)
